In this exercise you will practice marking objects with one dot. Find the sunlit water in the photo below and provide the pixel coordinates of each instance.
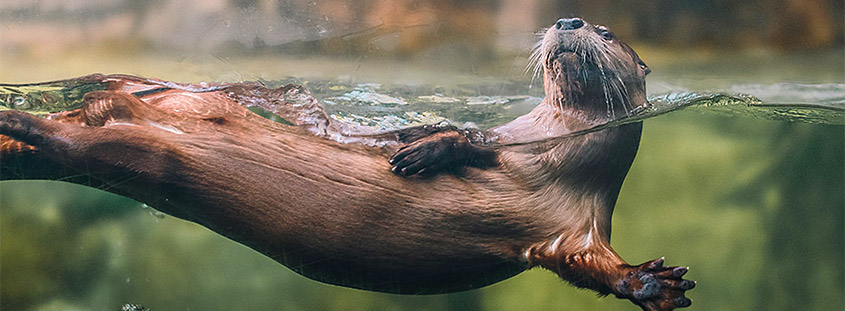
(386, 107)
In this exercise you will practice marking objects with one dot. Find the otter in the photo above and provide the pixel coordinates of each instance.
(424, 210)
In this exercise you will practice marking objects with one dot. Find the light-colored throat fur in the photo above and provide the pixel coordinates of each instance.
(575, 181)
(578, 179)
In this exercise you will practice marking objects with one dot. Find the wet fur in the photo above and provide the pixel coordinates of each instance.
(341, 216)
(324, 201)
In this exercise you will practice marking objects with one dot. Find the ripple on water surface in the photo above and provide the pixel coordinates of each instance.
(385, 107)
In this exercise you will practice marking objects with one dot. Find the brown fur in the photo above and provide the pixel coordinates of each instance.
(331, 211)
(335, 211)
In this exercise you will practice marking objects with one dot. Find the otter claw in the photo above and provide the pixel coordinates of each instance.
(682, 302)
(657, 264)
(686, 285)
(679, 271)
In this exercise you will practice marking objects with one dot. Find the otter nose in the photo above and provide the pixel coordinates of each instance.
(569, 23)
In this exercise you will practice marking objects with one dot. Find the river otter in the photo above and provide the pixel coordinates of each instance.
(454, 210)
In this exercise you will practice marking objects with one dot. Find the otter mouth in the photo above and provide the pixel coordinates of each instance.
(565, 56)
(562, 50)
(573, 51)
(578, 60)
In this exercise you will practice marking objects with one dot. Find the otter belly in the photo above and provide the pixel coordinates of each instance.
(335, 213)
(433, 273)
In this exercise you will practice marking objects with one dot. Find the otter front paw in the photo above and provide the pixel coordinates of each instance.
(655, 287)
(431, 154)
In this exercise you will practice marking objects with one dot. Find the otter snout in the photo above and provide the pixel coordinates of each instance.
(569, 23)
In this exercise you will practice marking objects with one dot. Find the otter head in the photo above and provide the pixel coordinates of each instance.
(587, 70)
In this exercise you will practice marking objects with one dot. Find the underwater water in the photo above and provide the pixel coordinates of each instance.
(745, 184)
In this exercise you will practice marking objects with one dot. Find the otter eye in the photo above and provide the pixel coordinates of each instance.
(604, 33)
(644, 67)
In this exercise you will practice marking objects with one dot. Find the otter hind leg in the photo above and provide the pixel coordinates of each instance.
(24, 132)
(651, 285)
(29, 146)
(78, 144)
(293, 104)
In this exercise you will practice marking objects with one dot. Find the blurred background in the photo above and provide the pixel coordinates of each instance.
(230, 39)
(755, 207)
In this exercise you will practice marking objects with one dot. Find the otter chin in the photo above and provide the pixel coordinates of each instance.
(422, 210)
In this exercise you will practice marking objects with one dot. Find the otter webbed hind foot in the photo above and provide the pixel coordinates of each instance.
(444, 151)
(655, 287)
